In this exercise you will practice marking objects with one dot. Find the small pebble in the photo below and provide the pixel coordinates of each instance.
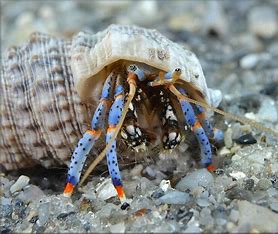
(136, 171)
(262, 21)
(219, 212)
(43, 212)
(275, 185)
(219, 171)
(165, 185)
(21, 182)
(34, 219)
(237, 175)
(224, 151)
(5, 201)
(183, 147)
(270, 89)
(150, 172)
(186, 217)
(180, 22)
(205, 217)
(249, 61)
(106, 190)
(31, 193)
(247, 139)
(263, 184)
(268, 111)
(272, 192)
(230, 227)
(62, 216)
(6, 231)
(249, 184)
(158, 193)
(193, 228)
(202, 202)
(197, 178)
(234, 215)
(175, 197)
(238, 129)
(125, 205)
(220, 222)
(199, 191)
(118, 228)
(274, 206)
(228, 138)
(6, 210)
(240, 194)
(215, 22)
(261, 218)
(274, 178)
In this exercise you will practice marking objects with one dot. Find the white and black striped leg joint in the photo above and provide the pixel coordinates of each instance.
(171, 134)
(131, 133)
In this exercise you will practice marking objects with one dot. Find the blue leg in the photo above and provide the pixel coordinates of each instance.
(113, 120)
(213, 133)
(205, 147)
(89, 138)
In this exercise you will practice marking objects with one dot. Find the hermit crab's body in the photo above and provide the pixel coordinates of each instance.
(42, 115)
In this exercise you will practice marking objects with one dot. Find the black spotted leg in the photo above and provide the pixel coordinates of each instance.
(115, 114)
(196, 127)
(134, 75)
(213, 133)
(90, 136)
(171, 135)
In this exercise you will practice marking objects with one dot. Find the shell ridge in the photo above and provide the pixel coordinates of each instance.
(40, 71)
(76, 125)
(14, 143)
(59, 113)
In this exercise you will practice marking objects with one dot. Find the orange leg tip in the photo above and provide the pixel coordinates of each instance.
(211, 168)
(120, 192)
(68, 189)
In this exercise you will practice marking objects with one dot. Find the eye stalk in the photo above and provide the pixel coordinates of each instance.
(167, 77)
(176, 74)
(178, 70)
(137, 71)
(132, 68)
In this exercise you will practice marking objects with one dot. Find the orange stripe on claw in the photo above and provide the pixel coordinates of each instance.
(105, 102)
(68, 189)
(94, 132)
(131, 78)
(119, 96)
(120, 191)
(197, 125)
(111, 128)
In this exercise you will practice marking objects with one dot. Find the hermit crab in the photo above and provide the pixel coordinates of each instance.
(128, 68)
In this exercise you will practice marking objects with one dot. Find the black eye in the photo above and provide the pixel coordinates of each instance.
(132, 67)
(177, 70)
